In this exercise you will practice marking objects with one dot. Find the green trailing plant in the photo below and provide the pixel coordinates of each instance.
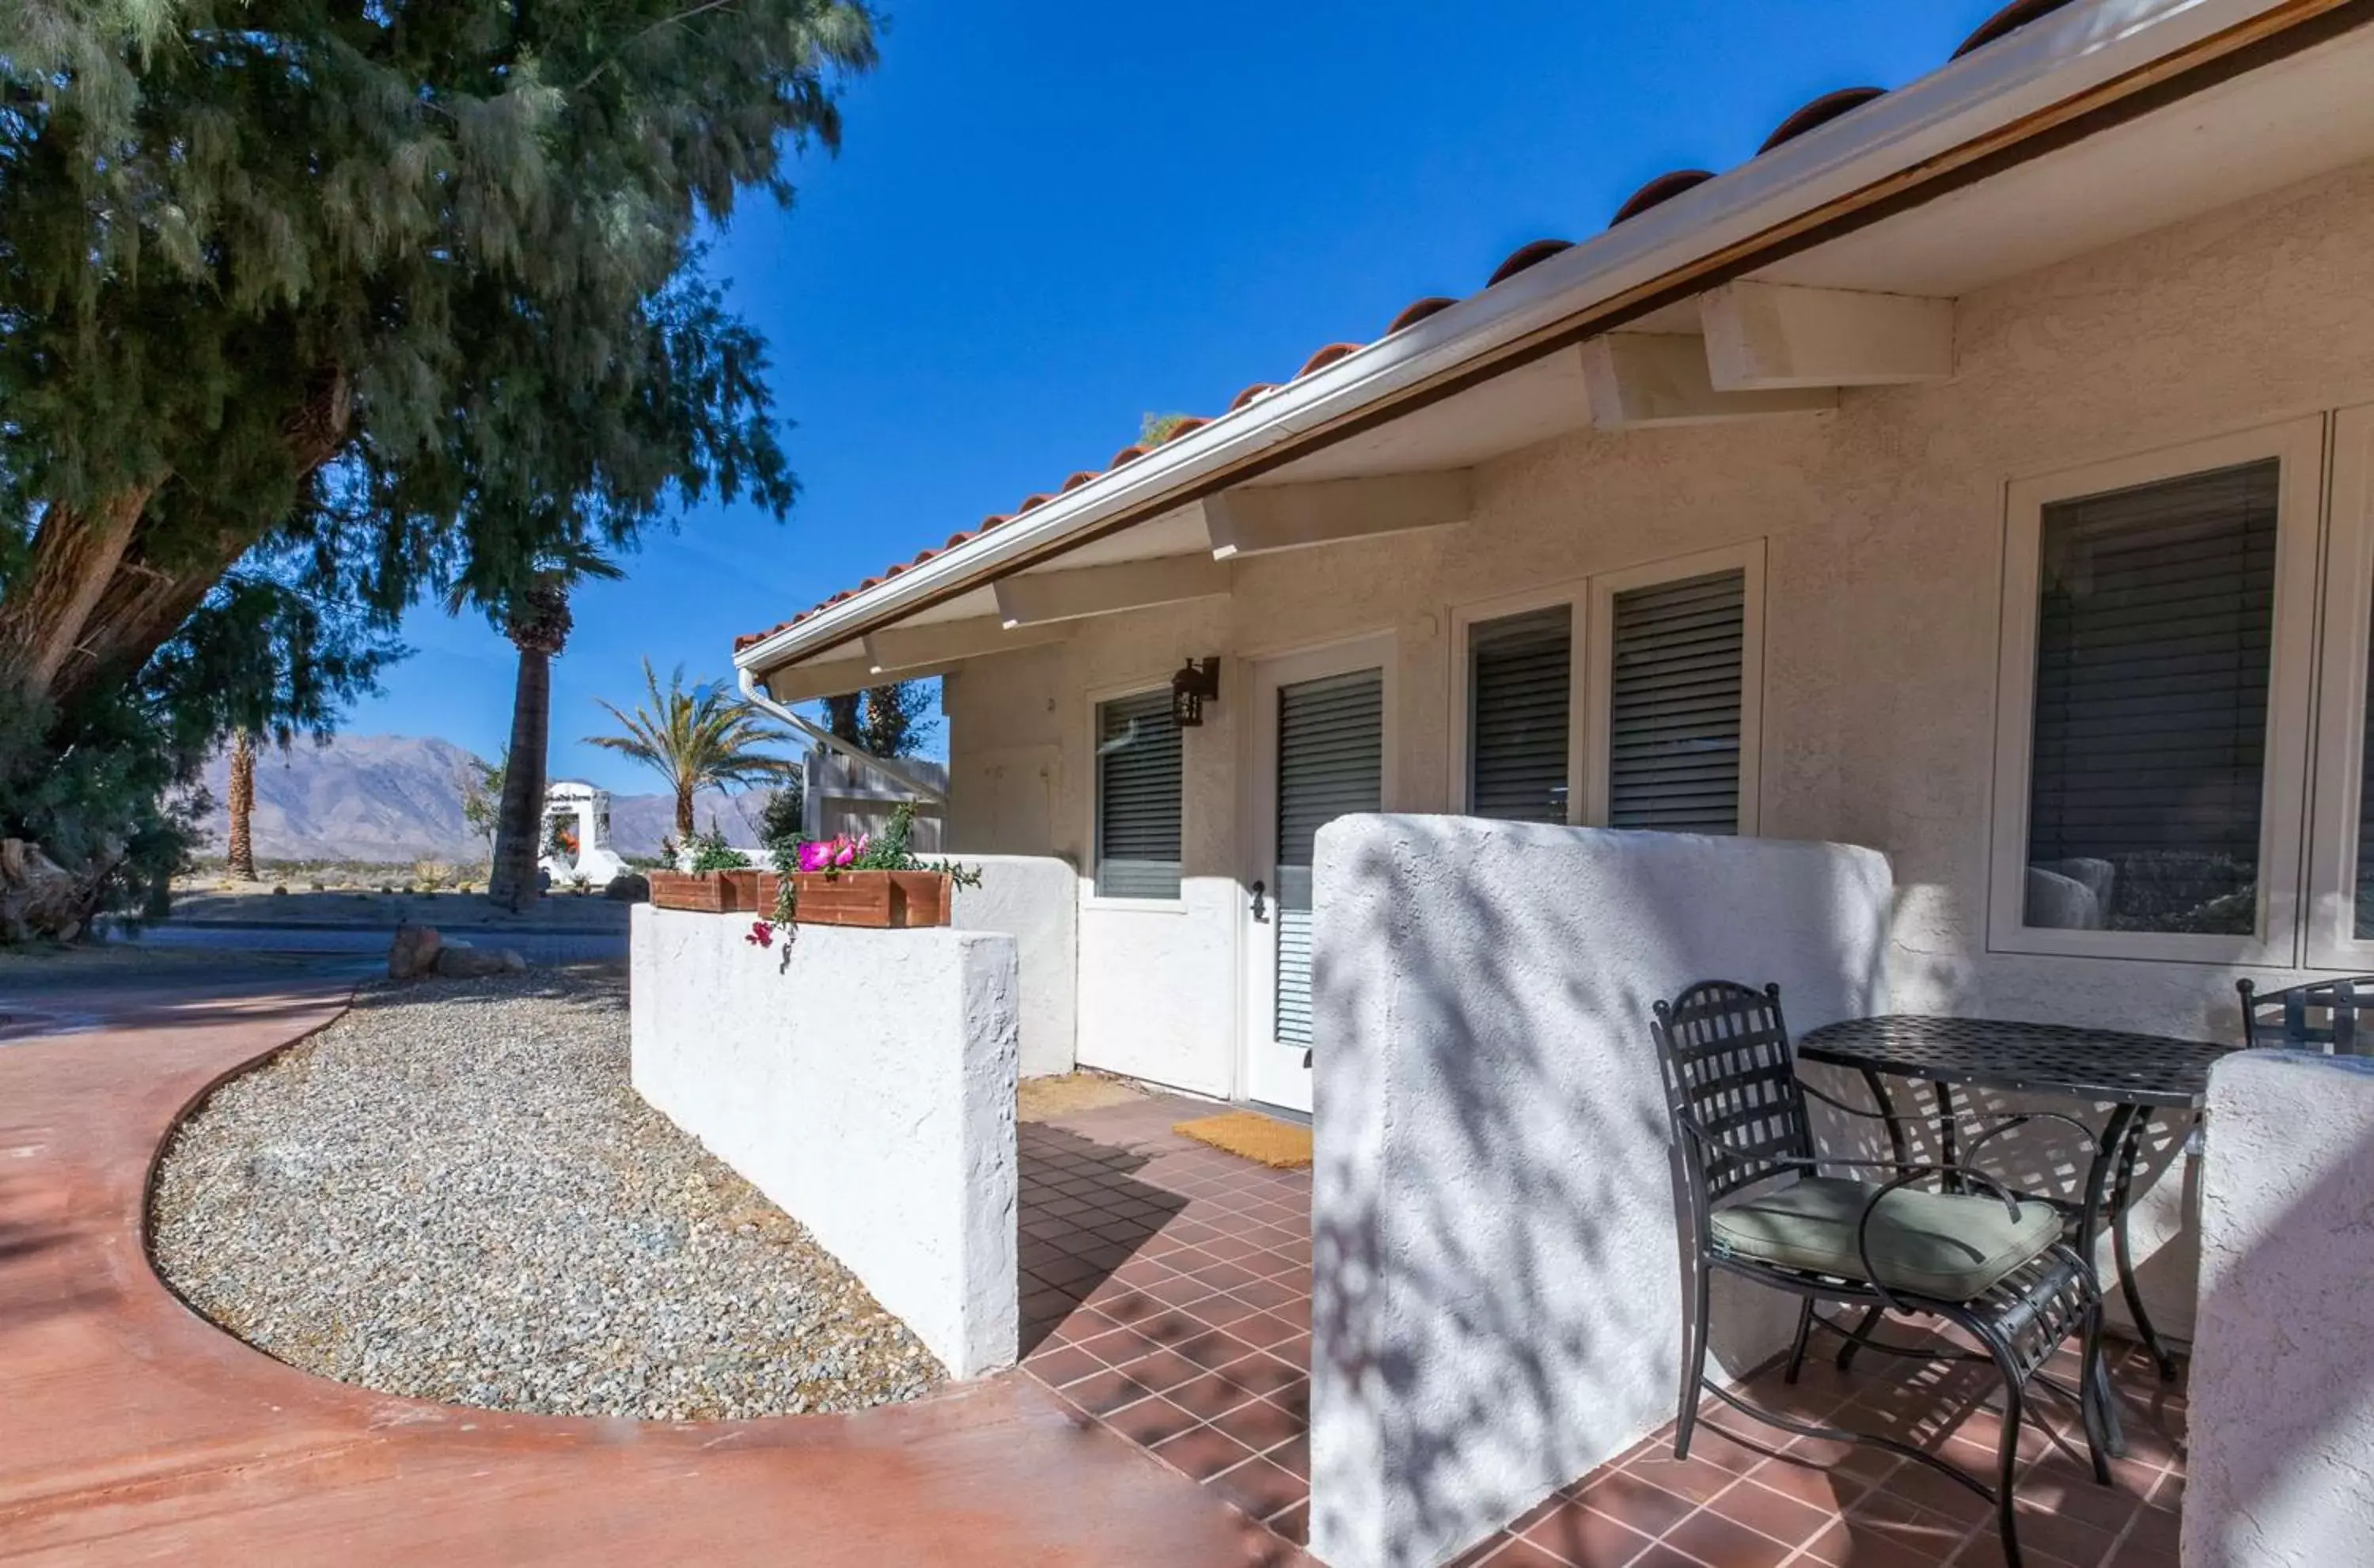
(711, 853)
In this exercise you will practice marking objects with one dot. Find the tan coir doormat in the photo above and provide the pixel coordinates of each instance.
(1281, 1145)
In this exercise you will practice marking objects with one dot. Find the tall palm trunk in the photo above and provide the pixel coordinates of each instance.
(682, 813)
(242, 806)
(538, 623)
(519, 819)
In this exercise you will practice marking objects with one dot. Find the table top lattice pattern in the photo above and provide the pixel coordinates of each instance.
(2103, 1065)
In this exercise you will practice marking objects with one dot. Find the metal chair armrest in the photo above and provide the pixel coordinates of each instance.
(1836, 1103)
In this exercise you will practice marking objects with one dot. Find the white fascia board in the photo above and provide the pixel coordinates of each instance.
(2055, 58)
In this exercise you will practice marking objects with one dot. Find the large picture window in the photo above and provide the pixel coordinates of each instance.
(2153, 657)
(1139, 797)
(2158, 633)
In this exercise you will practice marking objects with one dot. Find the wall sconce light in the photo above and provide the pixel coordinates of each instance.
(1197, 683)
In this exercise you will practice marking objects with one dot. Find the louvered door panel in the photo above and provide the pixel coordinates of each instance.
(1330, 764)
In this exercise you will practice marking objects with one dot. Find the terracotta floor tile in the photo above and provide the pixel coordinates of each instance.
(1631, 1501)
(1585, 1537)
(1161, 1370)
(1210, 1395)
(1213, 1348)
(1149, 1421)
(1263, 1373)
(1769, 1512)
(1261, 1488)
(1524, 1554)
(1105, 1391)
(1260, 1425)
(1264, 1330)
(1720, 1543)
(1294, 1522)
(1060, 1364)
(1203, 1453)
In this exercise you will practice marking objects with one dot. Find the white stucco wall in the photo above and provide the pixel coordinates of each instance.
(1035, 899)
(2281, 1470)
(1884, 533)
(867, 1088)
(1498, 1264)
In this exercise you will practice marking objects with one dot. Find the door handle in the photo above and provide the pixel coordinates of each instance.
(1259, 909)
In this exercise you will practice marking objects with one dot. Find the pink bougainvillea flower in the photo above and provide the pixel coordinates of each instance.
(762, 934)
(816, 855)
(846, 854)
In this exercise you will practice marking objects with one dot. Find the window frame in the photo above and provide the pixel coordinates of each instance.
(2337, 773)
(1746, 558)
(2299, 448)
(1575, 595)
(1089, 897)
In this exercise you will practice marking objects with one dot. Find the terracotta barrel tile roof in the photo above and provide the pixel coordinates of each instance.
(1524, 256)
(1663, 188)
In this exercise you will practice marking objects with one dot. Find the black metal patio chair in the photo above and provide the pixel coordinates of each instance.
(1989, 1261)
(2318, 1016)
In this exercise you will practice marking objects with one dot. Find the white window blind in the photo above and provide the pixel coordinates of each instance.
(1331, 759)
(2154, 654)
(1137, 798)
(1519, 702)
(1677, 652)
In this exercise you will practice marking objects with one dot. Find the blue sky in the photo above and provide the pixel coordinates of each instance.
(1047, 220)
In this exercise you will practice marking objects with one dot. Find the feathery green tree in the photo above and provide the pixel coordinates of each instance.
(380, 287)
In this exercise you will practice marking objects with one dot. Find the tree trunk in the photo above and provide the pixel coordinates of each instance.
(683, 814)
(242, 806)
(48, 605)
(91, 603)
(519, 822)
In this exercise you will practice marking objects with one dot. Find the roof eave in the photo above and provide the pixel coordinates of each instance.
(1981, 105)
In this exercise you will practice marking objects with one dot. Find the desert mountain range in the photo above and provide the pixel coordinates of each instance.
(398, 798)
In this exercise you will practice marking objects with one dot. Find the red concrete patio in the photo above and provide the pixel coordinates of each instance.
(1167, 1295)
(135, 1432)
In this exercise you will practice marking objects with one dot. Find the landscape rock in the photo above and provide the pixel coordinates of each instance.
(629, 888)
(414, 953)
(454, 1193)
(460, 961)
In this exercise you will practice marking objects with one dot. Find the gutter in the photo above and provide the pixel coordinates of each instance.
(756, 697)
(2055, 80)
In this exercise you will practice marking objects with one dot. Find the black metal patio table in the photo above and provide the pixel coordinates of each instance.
(2135, 1075)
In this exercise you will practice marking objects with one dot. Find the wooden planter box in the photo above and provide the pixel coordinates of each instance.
(707, 893)
(879, 900)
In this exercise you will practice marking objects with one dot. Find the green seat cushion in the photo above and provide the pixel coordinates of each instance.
(1947, 1245)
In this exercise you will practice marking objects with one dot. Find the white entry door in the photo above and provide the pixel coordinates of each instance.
(1318, 751)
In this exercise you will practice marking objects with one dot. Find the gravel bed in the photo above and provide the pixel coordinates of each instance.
(452, 1193)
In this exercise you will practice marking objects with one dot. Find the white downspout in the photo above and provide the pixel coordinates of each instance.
(756, 694)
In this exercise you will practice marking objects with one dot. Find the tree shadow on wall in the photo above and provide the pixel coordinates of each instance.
(1490, 1284)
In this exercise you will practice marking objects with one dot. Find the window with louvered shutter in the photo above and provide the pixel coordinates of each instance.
(1331, 759)
(1137, 798)
(1677, 677)
(1520, 706)
(2153, 657)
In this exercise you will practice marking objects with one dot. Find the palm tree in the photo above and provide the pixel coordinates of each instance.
(697, 739)
(242, 804)
(532, 608)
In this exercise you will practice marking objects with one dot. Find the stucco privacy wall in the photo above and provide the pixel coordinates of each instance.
(1884, 525)
(1496, 1255)
(2281, 1470)
(1035, 900)
(867, 1088)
